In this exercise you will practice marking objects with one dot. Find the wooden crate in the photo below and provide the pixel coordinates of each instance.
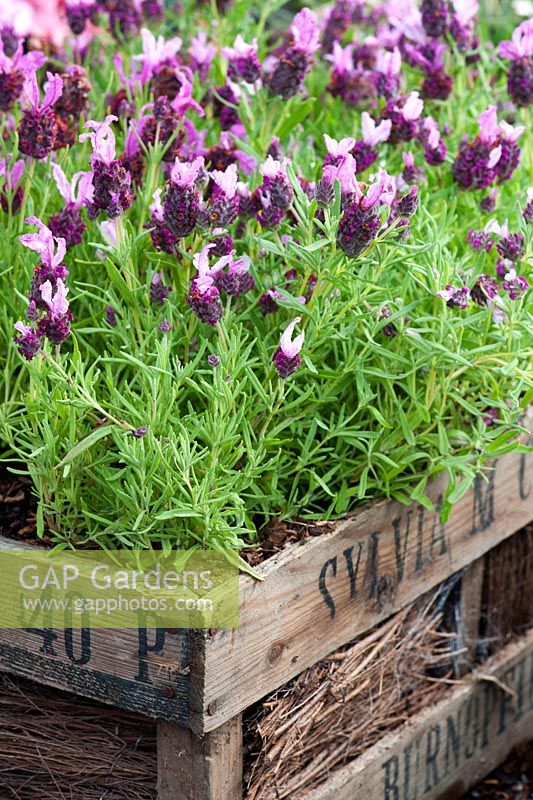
(315, 597)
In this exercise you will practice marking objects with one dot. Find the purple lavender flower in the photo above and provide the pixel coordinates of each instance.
(488, 204)
(490, 417)
(462, 25)
(340, 18)
(337, 150)
(411, 173)
(213, 360)
(11, 194)
(203, 296)
(528, 210)
(435, 149)
(156, 52)
(276, 183)
(515, 285)
(9, 40)
(510, 150)
(288, 74)
(435, 17)
(140, 432)
(124, 17)
(111, 316)
(111, 181)
(15, 68)
(405, 117)
(79, 12)
(237, 279)
(38, 127)
(223, 204)
(389, 329)
(485, 290)
(520, 52)
(512, 247)
(161, 236)
(158, 291)
(243, 61)
(67, 223)
(502, 267)
(479, 240)
(55, 324)
(360, 223)
(182, 198)
(364, 150)
(286, 358)
(51, 252)
(28, 342)
(201, 55)
(455, 297)
(164, 326)
(387, 72)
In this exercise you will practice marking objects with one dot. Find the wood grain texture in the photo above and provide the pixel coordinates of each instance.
(447, 749)
(319, 595)
(468, 627)
(190, 767)
(140, 670)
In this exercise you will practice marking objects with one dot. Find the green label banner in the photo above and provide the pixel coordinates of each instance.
(118, 589)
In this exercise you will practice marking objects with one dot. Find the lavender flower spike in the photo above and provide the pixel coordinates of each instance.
(55, 325)
(43, 243)
(156, 51)
(286, 358)
(243, 60)
(111, 181)
(68, 223)
(455, 297)
(28, 342)
(38, 127)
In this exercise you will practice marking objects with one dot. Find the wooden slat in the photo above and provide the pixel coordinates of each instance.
(447, 749)
(142, 670)
(199, 768)
(320, 595)
(470, 615)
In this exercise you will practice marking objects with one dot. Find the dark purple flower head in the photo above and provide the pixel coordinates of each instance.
(111, 316)
(340, 18)
(289, 71)
(38, 127)
(15, 68)
(55, 324)
(479, 240)
(515, 285)
(204, 296)
(11, 194)
(276, 183)
(182, 198)
(140, 432)
(520, 52)
(488, 204)
(27, 341)
(411, 173)
(213, 360)
(79, 12)
(437, 85)
(389, 329)
(485, 290)
(404, 116)
(494, 154)
(223, 203)
(111, 182)
(232, 275)
(512, 247)
(164, 326)
(268, 302)
(158, 291)
(9, 39)
(357, 228)
(435, 17)
(455, 297)
(286, 358)
(243, 61)
(490, 417)
(528, 210)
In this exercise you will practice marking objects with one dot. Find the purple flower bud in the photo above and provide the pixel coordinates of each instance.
(512, 247)
(479, 240)
(485, 290)
(158, 291)
(455, 297)
(243, 61)
(213, 360)
(325, 192)
(28, 342)
(140, 432)
(357, 228)
(205, 303)
(390, 328)
(515, 285)
(268, 302)
(437, 85)
(286, 358)
(67, 224)
(111, 316)
(528, 210)
(490, 417)
(164, 326)
(488, 204)
(435, 17)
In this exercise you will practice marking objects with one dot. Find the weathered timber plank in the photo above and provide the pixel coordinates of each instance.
(199, 768)
(142, 670)
(447, 749)
(320, 595)
(470, 614)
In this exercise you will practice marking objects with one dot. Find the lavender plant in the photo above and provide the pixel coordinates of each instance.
(281, 264)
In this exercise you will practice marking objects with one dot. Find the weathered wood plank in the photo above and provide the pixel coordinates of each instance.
(199, 768)
(320, 595)
(470, 615)
(447, 749)
(142, 670)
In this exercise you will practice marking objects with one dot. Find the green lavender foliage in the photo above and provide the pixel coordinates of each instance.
(230, 447)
